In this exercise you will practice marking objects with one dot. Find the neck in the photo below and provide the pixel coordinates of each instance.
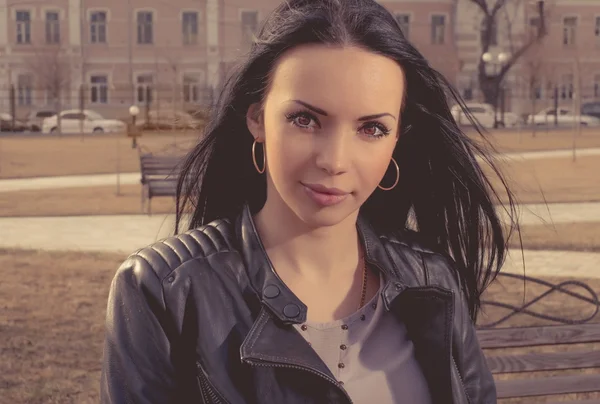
(314, 253)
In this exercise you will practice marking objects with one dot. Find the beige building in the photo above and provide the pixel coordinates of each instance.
(566, 59)
(110, 54)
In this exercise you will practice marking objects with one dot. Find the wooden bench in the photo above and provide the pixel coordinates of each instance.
(159, 175)
(497, 341)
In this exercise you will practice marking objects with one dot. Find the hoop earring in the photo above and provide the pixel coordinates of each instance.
(397, 178)
(254, 158)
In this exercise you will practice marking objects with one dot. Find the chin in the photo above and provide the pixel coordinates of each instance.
(315, 216)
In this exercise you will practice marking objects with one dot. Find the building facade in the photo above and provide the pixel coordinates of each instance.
(109, 54)
(566, 61)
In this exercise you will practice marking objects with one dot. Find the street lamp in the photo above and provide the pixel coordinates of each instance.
(133, 130)
(496, 60)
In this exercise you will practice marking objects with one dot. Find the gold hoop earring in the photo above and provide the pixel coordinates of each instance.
(397, 177)
(254, 158)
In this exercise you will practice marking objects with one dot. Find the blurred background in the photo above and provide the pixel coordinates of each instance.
(100, 99)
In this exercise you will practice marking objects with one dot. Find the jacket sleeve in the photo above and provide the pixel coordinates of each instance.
(472, 365)
(136, 366)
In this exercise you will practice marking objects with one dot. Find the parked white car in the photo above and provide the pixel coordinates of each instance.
(484, 114)
(564, 118)
(74, 120)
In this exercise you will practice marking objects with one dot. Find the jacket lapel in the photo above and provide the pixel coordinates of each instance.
(426, 310)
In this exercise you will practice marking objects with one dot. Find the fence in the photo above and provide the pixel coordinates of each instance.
(523, 100)
(112, 101)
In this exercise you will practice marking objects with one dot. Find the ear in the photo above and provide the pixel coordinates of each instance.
(255, 122)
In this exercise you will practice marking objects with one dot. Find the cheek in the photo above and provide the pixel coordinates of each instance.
(375, 162)
(286, 152)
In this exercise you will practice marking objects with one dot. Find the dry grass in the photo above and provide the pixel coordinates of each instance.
(80, 201)
(51, 327)
(551, 180)
(33, 156)
(515, 141)
(533, 181)
(42, 156)
(53, 312)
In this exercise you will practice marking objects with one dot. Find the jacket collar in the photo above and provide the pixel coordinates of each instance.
(281, 301)
(427, 311)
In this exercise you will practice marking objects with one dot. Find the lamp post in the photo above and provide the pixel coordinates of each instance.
(496, 60)
(133, 130)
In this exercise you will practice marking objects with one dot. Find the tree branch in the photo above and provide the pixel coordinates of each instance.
(482, 4)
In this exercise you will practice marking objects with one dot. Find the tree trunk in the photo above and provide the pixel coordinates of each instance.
(489, 86)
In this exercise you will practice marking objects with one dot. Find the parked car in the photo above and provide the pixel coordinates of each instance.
(484, 114)
(35, 118)
(6, 124)
(591, 109)
(564, 118)
(72, 121)
(168, 119)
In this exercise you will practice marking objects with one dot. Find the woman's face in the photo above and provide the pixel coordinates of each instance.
(329, 126)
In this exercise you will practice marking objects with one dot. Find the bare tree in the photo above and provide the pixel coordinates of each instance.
(53, 70)
(493, 11)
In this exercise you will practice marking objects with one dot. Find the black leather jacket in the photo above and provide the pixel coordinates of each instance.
(203, 318)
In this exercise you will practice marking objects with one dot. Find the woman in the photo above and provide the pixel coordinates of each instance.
(298, 280)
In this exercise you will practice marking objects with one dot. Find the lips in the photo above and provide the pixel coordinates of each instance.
(322, 189)
(325, 196)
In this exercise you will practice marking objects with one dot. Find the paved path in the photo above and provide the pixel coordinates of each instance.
(125, 234)
(70, 181)
(535, 155)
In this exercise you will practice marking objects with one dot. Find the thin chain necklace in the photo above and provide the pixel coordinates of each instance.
(363, 294)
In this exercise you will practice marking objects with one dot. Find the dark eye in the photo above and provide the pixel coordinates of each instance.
(375, 129)
(302, 120)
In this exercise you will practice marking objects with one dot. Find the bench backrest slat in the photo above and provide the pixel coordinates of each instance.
(164, 167)
(535, 336)
(588, 383)
(538, 361)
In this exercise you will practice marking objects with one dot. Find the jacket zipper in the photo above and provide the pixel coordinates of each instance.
(462, 383)
(209, 394)
(304, 368)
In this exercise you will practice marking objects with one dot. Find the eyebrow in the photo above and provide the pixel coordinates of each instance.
(362, 118)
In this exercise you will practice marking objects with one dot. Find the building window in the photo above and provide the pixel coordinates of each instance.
(566, 87)
(536, 89)
(597, 86)
(144, 88)
(597, 30)
(24, 89)
(23, 27)
(404, 23)
(145, 34)
(438, 29)
(98, 27)
(249, 27)
(191, 88)
(52, 27)
(190, 28)
(99, 89)
(569, 31)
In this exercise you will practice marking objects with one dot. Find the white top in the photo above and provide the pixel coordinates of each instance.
(370, 354)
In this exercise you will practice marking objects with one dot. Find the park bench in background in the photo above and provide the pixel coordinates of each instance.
(159, 175)
(548, 350)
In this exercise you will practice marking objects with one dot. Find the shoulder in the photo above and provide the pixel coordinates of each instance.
(424, 259)
(161, 259)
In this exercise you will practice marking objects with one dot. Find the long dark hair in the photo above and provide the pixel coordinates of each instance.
(442, 186)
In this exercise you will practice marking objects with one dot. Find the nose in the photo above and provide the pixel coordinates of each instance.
(333, 153)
